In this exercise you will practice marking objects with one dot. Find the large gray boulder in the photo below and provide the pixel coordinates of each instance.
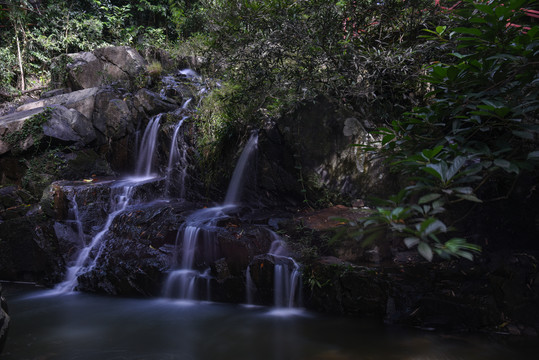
(63, 124)
(118, 64)
(82, 101)
(12, 123)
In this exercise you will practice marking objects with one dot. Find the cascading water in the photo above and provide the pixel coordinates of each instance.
(233, 194)
(286, 277)
(147, 147)
(176, 157)
(182, 282)
(120, 198)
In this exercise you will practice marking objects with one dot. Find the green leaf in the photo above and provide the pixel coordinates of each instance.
(452, 73)
(439, 170)
(464, 190)
(484, 8)
(435, 227)
(411, 242)
(429, 154)
(428, 198)
(523, 134)
(425, 250)
(455, 167)
(387, 138)
(440, 29)
(470, 197)
(467, 30)
(504, 164)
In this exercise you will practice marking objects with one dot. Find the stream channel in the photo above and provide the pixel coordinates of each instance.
(48, 326)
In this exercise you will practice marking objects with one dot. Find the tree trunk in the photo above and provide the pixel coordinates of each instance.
(20, 57)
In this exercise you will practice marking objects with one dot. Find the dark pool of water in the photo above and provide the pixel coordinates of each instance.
(82, 326)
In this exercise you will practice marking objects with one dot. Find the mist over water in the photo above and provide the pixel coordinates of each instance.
(89, 327)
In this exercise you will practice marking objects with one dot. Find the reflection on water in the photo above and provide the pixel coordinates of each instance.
(87, 327)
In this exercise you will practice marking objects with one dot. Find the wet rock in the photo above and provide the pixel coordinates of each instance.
(134, 255)
(336, 287)
(29, 250)
(151, 103)
(4, 320)
(113, 116)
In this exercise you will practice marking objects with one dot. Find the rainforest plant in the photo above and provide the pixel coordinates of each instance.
(479, 126)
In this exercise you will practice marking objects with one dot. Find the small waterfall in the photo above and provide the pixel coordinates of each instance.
(190, 74)
(286, 277)
(197, 233)
(174, 158)
(249, 287)
(233, 194)
(120, 199)
(147, 147)
(74, 207)
(182, 282)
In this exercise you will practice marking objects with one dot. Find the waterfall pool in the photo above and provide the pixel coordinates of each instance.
(90, 327)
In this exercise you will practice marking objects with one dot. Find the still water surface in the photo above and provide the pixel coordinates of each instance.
(89, 327)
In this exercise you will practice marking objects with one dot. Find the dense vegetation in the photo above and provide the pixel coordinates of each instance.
(454, 90)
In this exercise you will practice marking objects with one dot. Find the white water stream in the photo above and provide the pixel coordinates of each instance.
(182, 282)
(120, 197)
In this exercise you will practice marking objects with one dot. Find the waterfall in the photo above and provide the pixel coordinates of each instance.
(233, 194)
(147, 147)
(174, 158)
(182, 282)
(249, 286)
(120, 199)
(286, 277)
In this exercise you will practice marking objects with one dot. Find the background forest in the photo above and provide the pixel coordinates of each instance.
(451, 86)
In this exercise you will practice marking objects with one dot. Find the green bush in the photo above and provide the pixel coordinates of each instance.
(479, 126)
(8, 63)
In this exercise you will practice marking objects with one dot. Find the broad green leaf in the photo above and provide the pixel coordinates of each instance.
(439, 170)
(387, 138)
(440, 29)
(428, 198)
(504, 164)
(487, 9)
(502, 12)
(467, 30)
(425, 251)
(455, 167)
(429, 154)
(435, 227)
(470, 197)
(411, 242)
(465, 254)
(464, 190)
(452, 73)
(503, 57)
(523, 134)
